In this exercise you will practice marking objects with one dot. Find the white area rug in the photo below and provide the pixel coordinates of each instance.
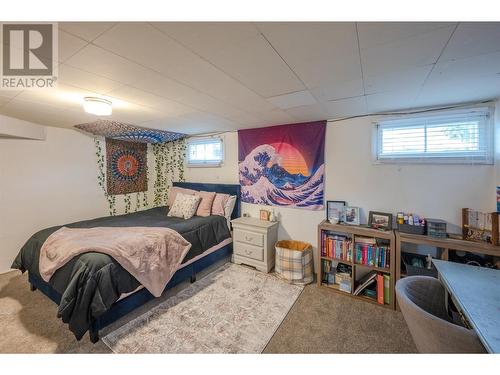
(232, 310)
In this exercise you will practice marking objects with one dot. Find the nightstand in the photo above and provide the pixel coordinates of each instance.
(253, 242)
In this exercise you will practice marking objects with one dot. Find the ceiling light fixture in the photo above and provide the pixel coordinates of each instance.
(97, 106)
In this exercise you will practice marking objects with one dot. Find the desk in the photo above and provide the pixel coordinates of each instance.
(476, 291)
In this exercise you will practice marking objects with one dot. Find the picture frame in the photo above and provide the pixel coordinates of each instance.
(334, 210)
(380, 220)
(264, 215)
(351, 215)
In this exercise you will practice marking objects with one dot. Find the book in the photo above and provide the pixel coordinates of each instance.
(366, 280)
(387, 295)
(380, 288)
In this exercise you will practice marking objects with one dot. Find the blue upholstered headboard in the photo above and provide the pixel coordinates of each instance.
(218, 188)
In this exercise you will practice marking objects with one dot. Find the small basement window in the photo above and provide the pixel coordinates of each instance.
(205, 152)
(455, 136)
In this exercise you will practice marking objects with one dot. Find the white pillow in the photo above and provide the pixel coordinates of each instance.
(228, 209)
(184, 206)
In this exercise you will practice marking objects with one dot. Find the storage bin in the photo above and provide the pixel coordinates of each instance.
(412, 270)
(436, 228)
(412, 229)
(294, 261)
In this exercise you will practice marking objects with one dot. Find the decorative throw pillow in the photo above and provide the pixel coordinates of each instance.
(205, 206)
(184, 206)
(219, 204)
(173, 192)
(228, 209)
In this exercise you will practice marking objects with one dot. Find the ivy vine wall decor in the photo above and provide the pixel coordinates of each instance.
(167, 148)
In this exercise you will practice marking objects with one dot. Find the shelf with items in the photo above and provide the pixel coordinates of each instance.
(362, 251)
(445, 247)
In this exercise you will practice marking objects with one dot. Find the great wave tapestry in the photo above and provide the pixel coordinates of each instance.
(283, 165)
(126, 167)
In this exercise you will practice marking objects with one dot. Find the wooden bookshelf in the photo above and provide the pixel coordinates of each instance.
(353, 231)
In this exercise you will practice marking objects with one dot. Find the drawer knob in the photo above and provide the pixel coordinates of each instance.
(247, 238)
(248, 251)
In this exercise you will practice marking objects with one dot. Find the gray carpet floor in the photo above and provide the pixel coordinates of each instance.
(320, 321)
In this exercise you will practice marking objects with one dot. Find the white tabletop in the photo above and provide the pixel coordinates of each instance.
(477, 292)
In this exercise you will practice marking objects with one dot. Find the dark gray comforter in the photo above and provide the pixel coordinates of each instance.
(90, 283)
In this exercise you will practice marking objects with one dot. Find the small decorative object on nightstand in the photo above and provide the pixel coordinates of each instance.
(253, 242)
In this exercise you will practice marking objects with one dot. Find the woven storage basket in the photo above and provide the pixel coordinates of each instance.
(294, 261)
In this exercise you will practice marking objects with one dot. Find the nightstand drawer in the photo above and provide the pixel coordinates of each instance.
(242, 235)
(249, 251)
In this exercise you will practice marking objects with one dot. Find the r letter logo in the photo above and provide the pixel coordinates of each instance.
(29, 56)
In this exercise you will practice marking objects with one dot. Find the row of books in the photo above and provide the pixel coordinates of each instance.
(336, 246)
(366, 250)
(372, 255)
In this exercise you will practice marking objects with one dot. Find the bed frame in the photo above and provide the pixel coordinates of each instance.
(139, 298)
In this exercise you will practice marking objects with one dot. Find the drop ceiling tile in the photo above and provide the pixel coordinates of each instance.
(69, 45)
(86, 30)
(314, 112)
(376, 33)
(419, 50)
(165, 87)
(9, 93)
(275, 117)
(346, 107)
(100, 62)
(41, 113)
(459, 90)
(295, 99)
(88, 81)
(143, 98)
(135, 114)
(472, 39)
(319, 53)
(391, 101)
(339, 90)
(4, 100)
(405, 79)
(254, 63)
(160, 52)
(475, 66)
(168, 57)
(204, 37)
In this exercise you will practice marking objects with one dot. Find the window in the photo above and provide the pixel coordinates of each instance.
(205, 152)
(459, 136)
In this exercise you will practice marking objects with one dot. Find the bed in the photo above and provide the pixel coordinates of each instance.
(93, 290)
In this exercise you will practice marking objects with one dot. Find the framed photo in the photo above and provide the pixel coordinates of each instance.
(380, 220)
(334, 211)
(351, 215)
(264, 215)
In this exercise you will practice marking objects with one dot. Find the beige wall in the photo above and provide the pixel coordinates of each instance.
(438, 191)
(45, 183)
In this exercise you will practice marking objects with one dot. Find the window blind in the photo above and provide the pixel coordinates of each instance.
(450, 137)
(205, 152)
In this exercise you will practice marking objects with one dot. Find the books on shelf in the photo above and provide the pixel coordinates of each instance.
(380, 288)
(367, 280)
(340, 276)
(336, 246)
(370, 254)
(387, 293)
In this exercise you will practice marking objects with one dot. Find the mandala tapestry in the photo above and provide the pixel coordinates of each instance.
(126, 167)
(126, 132)
(283, 165)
